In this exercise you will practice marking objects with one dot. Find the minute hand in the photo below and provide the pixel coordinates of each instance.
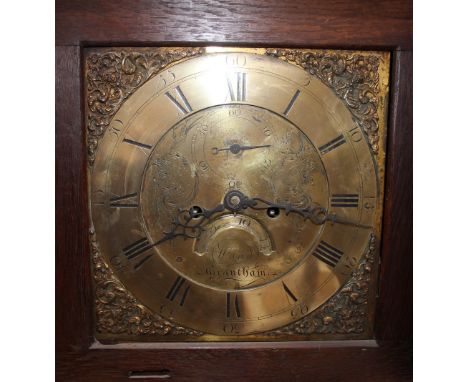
(253, 147)
(236, 148)
(315, 213)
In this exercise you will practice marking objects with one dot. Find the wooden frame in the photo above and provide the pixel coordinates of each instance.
(385, 25)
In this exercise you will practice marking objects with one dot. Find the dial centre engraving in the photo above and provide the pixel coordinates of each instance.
(249, 152)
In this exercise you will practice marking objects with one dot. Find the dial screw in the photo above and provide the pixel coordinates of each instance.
(273, 212)
(233, 200)
(235, 148)
(195, 212)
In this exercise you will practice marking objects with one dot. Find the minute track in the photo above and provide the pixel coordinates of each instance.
(224, 243)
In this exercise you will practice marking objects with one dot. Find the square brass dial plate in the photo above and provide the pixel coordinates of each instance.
(235, 194)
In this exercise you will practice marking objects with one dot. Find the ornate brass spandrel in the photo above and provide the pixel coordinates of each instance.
(354, 77)
(117, 312)
(113, 75)
(347, 312)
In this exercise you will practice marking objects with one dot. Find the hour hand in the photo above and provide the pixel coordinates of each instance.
(315, 213)
(189, 223)
(236, 148)
(336, 219)
(318, 215)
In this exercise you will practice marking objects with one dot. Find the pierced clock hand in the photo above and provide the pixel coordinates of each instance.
(236, 201)
(189, 223)
(336, 219)
(236, 148)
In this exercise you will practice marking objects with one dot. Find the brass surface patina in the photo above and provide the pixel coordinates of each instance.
(235, 193)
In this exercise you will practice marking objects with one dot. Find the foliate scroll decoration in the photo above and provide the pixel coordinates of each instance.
(118, 312)
(113, 76)
(353, 77)
(347, 311)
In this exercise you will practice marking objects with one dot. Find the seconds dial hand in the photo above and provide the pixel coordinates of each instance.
(236, 148)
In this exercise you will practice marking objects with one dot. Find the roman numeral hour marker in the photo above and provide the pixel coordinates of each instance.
(232, 307)
(333, 144)
(345, 200)
(238, 89)
(138, 144)
(288, 292)
(125, 201)
(291, 103)
(182, 105)
(328, 254)
(136, 249)
(176, 287)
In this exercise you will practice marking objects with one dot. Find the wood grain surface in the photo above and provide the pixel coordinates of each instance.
(386, 363)
(72, 278)
(362, 24)
(394, 316)
(332, 23)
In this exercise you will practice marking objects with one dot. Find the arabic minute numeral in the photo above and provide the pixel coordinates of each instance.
(299, 310)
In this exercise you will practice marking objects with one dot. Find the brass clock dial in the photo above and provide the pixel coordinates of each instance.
(233, 193)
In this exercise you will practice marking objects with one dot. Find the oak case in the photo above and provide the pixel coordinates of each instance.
(386, 27)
